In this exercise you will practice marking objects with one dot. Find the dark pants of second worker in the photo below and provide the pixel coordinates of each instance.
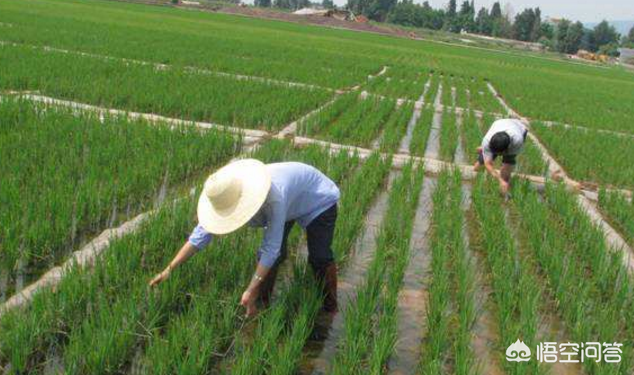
(319, 236)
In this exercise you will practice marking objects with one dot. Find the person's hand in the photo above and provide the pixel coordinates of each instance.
(504, 187)
(160, 277)
(479, 149)
(248, 301)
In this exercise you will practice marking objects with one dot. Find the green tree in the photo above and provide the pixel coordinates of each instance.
(451, 18)
(466, 17)
(573, 38)
(527, 25)
(547, 30)
(379, 9)
(560, 35)
(496, 11)
(484, 22)
(630, 36)
(328, 4)
(262, 3)
(604, 33)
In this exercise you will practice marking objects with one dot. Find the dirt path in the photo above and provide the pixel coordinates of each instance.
(322, 347)
(412, 299)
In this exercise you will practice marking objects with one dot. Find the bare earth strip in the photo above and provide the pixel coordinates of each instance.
(412, 299)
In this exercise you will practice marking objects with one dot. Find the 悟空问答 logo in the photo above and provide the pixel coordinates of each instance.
(518, 352)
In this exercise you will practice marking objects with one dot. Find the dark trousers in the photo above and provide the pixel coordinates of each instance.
(319, 236)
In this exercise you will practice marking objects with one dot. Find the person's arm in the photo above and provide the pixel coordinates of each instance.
(183, 254)
(197, 241)
(269, 252)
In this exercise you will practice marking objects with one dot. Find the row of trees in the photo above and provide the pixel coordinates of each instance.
(562, 35)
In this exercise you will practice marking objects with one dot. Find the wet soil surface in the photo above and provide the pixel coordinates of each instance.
(321, 347)
(412, 300)
(433, 143)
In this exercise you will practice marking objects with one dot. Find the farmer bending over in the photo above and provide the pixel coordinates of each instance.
(273, 196)
(506, 138)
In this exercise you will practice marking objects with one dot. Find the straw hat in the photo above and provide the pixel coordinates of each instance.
(233, 195)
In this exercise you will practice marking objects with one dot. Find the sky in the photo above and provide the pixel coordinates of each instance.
(577, 10)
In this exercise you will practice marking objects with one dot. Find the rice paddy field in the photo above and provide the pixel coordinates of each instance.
(112, 115)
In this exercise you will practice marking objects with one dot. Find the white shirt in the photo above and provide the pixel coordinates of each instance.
(515, 130)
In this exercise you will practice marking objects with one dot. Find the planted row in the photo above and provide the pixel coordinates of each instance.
(66, 178)
(283, 330)
(182, 326)
(370, 320)
(451, 308)
(606, 158)
(620, 211)
(172, 92)
(591, 287)
(515, 290)
(421, 132)
(360, 124)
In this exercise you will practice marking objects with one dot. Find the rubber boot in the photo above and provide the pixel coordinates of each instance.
(267, 286)
(328, 277)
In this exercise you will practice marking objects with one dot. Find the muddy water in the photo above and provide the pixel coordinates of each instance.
(407, 139)
(460, 155)
(20, 276)
(433, 143)
(485, 336)
(4, 284)
(412, 300)
(321, 348)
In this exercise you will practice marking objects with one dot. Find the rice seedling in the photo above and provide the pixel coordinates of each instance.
(462, 100)
(399, 82)
(421, 132)
(620, 211)
(170, 92)
(361, 345)
(67, 178)
(360, 125)
(321, 120)
(451, 307)
(516, 293)
(481, 98)
(588, 281)
(471, 133)
(605, 160)
(290, 320)
(447, 98)
(430, 95)
(395, 128)
(449, 135)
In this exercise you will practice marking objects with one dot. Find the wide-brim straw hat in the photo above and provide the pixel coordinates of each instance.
(233, 195)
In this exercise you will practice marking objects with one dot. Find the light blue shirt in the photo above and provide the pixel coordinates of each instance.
(298, 192)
